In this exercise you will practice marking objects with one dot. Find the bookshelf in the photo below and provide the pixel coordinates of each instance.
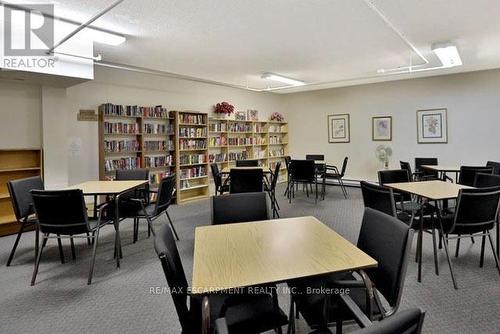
(15, 164)
(133, 137)
(231, 140)
(192, 155)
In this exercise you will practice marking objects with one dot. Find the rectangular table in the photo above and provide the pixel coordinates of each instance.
(249, 254)
(110, 188)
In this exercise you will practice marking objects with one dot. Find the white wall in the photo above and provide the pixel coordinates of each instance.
(472, 100)
(20, 121)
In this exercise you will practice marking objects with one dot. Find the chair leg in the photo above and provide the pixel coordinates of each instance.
(59, 244)
(291, 321)
(445, 243)
(472, 239)
(338, 326)
(73, 252)
(11, 256)
(172, 225)
(89, 239)
(481, 260)
(38, 257)
(458, 247)
(92, 262)
(493, 249)
(434, 246)
(37, 239)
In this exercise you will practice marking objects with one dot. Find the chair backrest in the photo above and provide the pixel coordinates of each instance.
(20, 195)
(245, 180)
(320, 157)
(171, 263)
(468, 174)
(165, 194)
(426, 161)
(388, 241)
(395, 176)
(406, 166)
(486, 180)
(216, 175)
(276, 175)
(247, 163)
(344, 167)
(303, 170)
(60, 211)
(495, 165)
(477, 209)
(379, 198)
(408, 322)
(239, 208)
(133, 174)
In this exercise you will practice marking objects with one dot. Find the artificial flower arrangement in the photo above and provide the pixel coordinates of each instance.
(277, 117)
(224, 108)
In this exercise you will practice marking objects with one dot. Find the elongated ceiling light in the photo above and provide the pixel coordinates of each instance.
(282, 79)
(447, 54)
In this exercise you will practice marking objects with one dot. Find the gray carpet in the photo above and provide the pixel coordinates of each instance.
(120, 300)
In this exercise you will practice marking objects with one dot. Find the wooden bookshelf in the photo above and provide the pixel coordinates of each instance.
(265, 141)
(133, 137)
(192, 155)
(15, 164)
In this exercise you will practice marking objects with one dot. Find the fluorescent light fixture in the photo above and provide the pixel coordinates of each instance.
(447, 54)
(280, 78)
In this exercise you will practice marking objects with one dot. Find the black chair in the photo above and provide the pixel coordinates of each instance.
(424, 174)
(239, 208)
(388, 241)
(404, 200)
(63, 213)
(408, 322)
(244, 313)
(484, 180)
(406, 166)
(270, 188)
(495, 165)
(332, 172)
(302, 171)
(247, 163)
(154, 210)
(381, 198)
(220, 186)
(315, 157)
(288, 159)
(468, 174)
(246, 180)
(476, 214)
(19, 191)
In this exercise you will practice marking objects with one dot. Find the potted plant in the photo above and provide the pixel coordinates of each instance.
(277, 117)
(224, 109)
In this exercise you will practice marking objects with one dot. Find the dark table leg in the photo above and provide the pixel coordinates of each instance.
(118, 246)
(205, 315)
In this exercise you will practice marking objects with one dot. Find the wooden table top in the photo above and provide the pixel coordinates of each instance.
(442, 168)
(434, 190)
(227, 170)
(107, 187)
(246, 254)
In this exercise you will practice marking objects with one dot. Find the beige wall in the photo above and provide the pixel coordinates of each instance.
(472, 100)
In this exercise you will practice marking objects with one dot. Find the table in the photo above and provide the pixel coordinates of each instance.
(443, 169)
(227, 170)
(249, 254)
(110, 188)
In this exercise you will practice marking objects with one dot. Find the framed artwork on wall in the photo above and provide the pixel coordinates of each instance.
(432, 126)
(382, 128)
(339, 128)
(240, 116)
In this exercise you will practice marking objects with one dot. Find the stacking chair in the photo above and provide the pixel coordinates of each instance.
(244, 313)
(388, 241)
(406, 166)
(19, 191)
(484, 180)
(423, 174)
(247, 163)
(495, 165)
(468, 174)
(220, 186)
(404, 200)
(239, 208)
(246, 180)
(302, 171)
(288, 159)
(63, 213)
(408, 322)
(270, 188)
(152, 211)
(332, 172)
(476, 214)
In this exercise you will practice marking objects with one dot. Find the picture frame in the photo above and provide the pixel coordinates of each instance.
(382, 128)
(253, 115)
(339, 130)
(240, 116)
(432, 126)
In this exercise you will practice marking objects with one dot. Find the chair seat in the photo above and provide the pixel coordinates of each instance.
(247, 314)
(137, 211)
(447, 221)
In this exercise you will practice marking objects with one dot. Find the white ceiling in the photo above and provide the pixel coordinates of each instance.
(325, 43)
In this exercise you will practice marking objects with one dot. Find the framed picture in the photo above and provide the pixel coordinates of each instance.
(432, 126)
(382, 128)
(339, 128)
(253, 115)
(240, 116)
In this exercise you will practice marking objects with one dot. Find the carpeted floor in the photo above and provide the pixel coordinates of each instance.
(121, 300)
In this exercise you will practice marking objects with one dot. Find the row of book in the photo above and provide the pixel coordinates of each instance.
(158, 145)
(188, 159)
(134, 111)
(277, 152)
(275, 140)
(192, 119)
(233, 156)
(121, 127)
(217, 141)
(272, 165)
(218, 127)
(259, 154)
(240, 127)
(188, 173)
(258, 127)
(159, 161)
(192, 144)
(152, 128)
(277, 128)
(240, 141)
(192, 132)
(124, 146)
(217, 157)
(155, 178)
(122, 163)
